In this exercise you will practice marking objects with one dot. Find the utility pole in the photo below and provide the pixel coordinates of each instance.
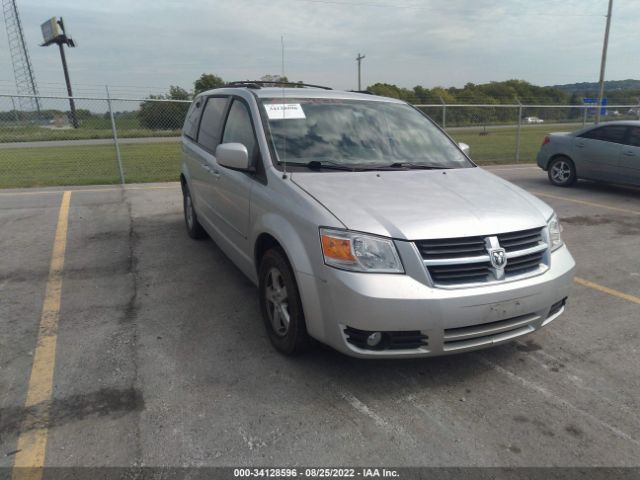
(72, 105)
(359, 59)
(604, 61)
(53, 32)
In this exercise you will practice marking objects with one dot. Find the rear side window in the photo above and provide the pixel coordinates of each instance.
(634, 136)
(239, 128)
(191, 122)
(611, 133)
(211, 124)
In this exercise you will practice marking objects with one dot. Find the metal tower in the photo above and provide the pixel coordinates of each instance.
(22, 69)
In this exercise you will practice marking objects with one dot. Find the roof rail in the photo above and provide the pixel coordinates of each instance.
(257, 84)
(366, 92)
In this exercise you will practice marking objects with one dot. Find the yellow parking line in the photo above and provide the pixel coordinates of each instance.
(607, 290)
(585, 202)
(32, 441)
(80, 190)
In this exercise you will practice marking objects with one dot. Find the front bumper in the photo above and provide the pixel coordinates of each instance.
(453, 320)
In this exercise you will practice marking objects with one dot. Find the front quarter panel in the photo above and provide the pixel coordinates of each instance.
(292, 217)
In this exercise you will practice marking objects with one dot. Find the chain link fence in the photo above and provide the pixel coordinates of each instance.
(117, 141)
(138, 140)
(513, 133)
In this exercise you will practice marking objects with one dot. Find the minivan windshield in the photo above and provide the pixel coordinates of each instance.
(357, 133)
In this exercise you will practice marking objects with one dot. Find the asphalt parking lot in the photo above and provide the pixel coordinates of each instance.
(161, 358)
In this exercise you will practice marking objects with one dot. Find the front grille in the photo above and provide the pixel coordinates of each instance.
(524, 264)
(463, 273)
(520, 240)
(459, 262)
(451, 248)
(391, 340)
(488, 333)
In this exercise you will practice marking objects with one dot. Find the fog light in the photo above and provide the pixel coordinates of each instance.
(374, 339)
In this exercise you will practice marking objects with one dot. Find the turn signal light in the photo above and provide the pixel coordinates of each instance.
(337, 248)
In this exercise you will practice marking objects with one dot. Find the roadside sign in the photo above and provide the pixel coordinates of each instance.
(594, 102)
(50, 30)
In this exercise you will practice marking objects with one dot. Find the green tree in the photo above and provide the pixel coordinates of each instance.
(207, 81)
(280, 78)
(178, 93)
(159, 114)
(390, 90)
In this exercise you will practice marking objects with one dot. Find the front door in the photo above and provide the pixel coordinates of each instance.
(630, 158)
(596, 153)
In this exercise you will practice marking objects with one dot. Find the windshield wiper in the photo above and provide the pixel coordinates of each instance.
(327, 165)
(418, 166)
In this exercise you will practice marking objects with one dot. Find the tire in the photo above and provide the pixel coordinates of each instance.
(562, 172)
(280, 304)
(194, 229)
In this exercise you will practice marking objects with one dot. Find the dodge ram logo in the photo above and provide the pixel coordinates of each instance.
(498, 258)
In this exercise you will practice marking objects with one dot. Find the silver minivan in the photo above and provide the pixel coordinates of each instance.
(365, 226)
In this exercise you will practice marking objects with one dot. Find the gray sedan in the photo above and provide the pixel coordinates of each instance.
(607, 152)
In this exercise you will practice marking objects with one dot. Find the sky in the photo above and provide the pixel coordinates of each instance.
(143, 46)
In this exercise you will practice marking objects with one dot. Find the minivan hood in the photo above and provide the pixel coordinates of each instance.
(425, 204)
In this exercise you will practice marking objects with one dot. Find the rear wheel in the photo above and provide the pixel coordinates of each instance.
(280, 304)
(562, 172)
(194, 229)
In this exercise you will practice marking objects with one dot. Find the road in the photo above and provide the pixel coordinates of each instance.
(162, 359)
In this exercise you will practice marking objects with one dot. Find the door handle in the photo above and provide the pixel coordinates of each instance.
(628, 153)
(580, 145)
(212, 170)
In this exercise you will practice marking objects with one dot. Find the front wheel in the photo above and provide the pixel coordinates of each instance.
(562, 172)
(280, 304)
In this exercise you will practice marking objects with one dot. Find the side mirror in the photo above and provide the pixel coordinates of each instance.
(464, 147)
(233, 155)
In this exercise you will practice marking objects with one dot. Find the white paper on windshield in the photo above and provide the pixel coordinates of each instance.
(285, 111)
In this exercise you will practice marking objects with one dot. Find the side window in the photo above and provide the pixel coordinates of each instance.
(211, 123)
(634, 136)
(239, 129)
(611, 133)
(190, 128)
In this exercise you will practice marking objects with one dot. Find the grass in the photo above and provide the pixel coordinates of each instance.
(499, 145)
(93, 130)
(160, 162)
(88, 165)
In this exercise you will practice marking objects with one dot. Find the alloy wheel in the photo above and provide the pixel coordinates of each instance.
(561, 172)
(277, 302)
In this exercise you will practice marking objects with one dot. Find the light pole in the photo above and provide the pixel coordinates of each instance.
(53, 32)
(604, 61)
(359, 59)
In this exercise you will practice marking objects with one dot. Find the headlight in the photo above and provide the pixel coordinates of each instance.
(555, 229)
(359, 252)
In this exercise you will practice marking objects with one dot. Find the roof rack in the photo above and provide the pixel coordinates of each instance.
(260, 83)
(366, 92)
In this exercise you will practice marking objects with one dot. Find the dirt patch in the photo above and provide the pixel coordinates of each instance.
(104, 402)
